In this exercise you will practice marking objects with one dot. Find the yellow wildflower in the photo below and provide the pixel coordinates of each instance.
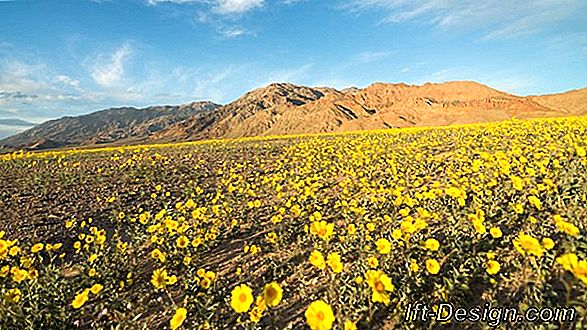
(528, 244)
(319, 316)
(432, 266)
(495, 232)
(178, 318)
(19, 275)
(383, 246)
(373, 262)
(37, 247)
(535, 201)
(492, 267)
(334, 261)
(350, 325)
(568, 228)
(96, 288)
(242, 298)
(159, 278)
(182, 242)
(380, 284)
(548, 243)
(272, 294)
(322, 229)
(80, 299)
(317, 259)
(13, 295)
(431, 244)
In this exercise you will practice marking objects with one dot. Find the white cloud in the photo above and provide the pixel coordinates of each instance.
(19, 76)
(370, 57)
(110, 68)
(220, 14)
(160, 84)
(502, 18)
(233, 32)
(291, 2)
(291, 75)
(156, 2)
(412, 67)
(214, 85)
(222, 7)
(567, 47)
(334, 82)
(66, 80)
(441, 74)
(33, 90)
(220, 76)
(236, 6)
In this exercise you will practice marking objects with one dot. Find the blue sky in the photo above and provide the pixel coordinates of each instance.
(71, 57)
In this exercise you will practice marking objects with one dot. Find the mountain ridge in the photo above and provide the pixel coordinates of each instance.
(16, 122)
(285, 108)
(572, 102)
(105, 126)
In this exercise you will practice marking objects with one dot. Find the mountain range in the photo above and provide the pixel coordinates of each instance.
(283, 108)
(16, 122)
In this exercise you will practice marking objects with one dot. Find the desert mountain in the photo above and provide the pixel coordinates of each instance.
(106, 126)
(228, 120)
(572, 102)
(288, 109)
(283, 108)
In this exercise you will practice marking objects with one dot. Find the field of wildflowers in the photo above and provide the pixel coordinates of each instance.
(336, 231)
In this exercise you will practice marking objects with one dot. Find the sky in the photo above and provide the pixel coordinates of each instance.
(72, 57)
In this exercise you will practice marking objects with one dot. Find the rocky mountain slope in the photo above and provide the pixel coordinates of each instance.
(288, 109)
(227, 121)
(283, 108)
(106, 126)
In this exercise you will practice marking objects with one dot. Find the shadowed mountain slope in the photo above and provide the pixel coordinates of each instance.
(106, 126)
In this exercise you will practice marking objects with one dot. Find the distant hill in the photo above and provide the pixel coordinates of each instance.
(572, 102)
(105, 126)
(16, 122)
(283, 108)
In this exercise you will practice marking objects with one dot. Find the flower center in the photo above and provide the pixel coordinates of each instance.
(242, 297)
(320, 316)
(379, 287)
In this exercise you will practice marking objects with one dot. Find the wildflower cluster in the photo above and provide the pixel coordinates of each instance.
(331, 231)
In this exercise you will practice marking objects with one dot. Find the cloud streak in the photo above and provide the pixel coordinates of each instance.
(502, 18)
(38, 88)
(110, 68)
(236, 6)
(370, 57)
(222, 7)
(233, 32)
